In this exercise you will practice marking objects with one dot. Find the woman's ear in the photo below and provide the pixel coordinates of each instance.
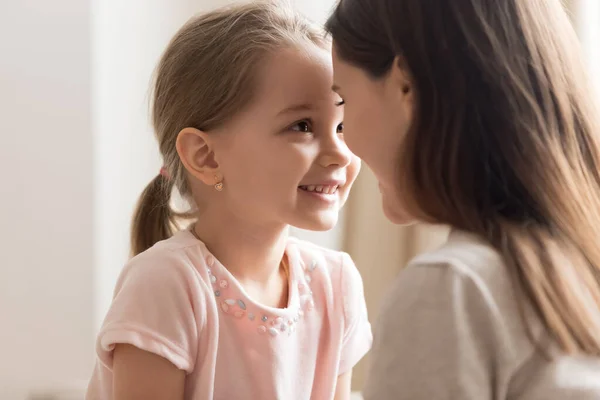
(400, 90)
(400, 77)
(196, 154)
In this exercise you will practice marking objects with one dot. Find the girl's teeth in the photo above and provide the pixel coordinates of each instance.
(320, 189)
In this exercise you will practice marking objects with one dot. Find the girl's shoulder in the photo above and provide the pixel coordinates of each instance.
(332, 265)
(333, 277)
(161, 303)
(179, 261)
(337, 285)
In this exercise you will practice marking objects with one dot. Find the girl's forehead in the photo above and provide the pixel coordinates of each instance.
(294, 77)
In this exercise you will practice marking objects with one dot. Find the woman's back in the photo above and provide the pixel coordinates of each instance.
(468, 340)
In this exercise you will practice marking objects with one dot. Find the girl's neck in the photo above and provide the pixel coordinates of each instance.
(250, 253)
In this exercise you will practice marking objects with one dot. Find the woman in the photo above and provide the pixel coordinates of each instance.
(477, 114)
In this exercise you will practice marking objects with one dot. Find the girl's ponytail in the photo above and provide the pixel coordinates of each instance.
(154, 219)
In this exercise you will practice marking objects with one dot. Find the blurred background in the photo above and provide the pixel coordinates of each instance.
(76, 150)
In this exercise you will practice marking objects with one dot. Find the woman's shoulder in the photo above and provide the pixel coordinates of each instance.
(464, 265)
(454, 310)
(462, 284)
(464, 258)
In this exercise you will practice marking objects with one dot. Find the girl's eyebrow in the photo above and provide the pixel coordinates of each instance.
(296, 108)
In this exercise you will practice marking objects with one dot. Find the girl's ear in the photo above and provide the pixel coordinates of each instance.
(196, 154)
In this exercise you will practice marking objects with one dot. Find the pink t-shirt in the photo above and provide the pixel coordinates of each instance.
(176, 300)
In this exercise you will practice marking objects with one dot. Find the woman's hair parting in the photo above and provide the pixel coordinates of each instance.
(504, 142)
(205, 77)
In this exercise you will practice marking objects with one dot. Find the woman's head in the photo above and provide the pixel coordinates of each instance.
(465, 86)
(242, 98)
(484, 122)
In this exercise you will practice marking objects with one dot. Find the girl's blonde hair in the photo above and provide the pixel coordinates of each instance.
(207, 75)
(505, 140)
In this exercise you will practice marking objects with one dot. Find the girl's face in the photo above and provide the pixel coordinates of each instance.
(284, 159)
(378, 114)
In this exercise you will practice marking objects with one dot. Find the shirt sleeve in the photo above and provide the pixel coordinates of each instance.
(358, 337)
(435, 338)
(153, 310)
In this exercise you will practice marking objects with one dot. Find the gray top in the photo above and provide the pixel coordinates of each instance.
(450, 328)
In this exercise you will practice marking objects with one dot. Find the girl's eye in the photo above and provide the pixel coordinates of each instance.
(302, 126)
(340, 128)
(340, 103)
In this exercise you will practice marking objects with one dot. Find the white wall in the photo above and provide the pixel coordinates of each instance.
(46, 321)
(587, 17)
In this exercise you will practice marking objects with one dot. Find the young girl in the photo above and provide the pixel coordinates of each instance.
(479, 117)
(233, 308)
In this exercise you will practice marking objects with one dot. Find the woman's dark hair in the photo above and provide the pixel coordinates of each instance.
(504, 142)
